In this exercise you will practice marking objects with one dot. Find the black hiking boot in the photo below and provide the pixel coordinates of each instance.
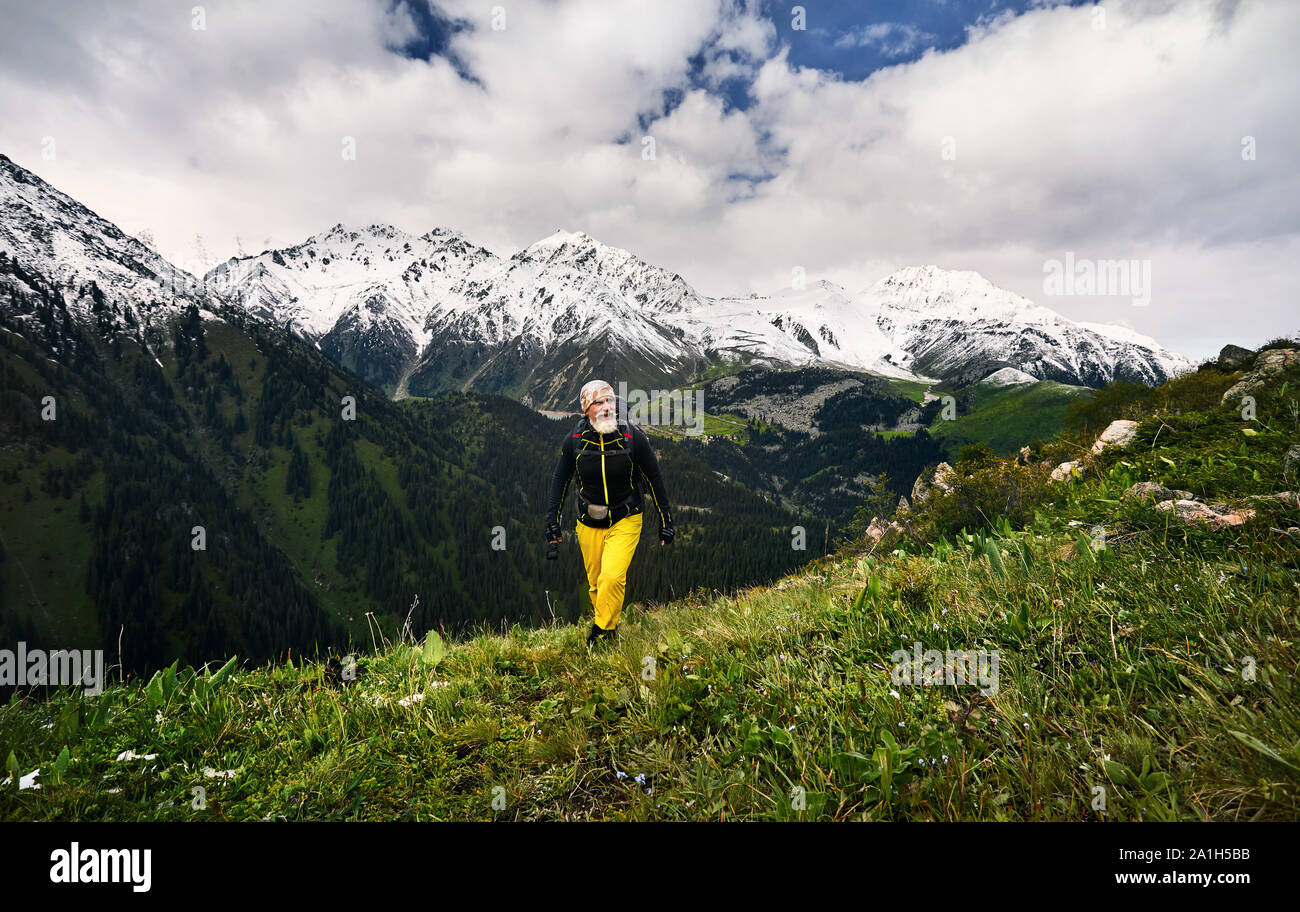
(598, 634)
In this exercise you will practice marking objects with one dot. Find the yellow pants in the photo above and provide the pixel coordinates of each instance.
(606, 553)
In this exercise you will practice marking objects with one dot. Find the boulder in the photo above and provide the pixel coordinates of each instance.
(1117, 433)
(1155, 491)
(1268, 368)
(1064, 472)
(1288, 498)
(882, 534)
(1216, 516)
(1233, 357)
(1022, 458)
(938, 480)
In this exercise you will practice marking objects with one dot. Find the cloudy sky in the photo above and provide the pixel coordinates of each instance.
(730, 141)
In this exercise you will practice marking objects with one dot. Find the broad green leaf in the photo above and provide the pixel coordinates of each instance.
(1259, 746)
(433, 650)
(224, 671)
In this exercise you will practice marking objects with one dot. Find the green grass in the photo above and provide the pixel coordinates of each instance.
(1156, 671)
(1007, 418)
(911, 389)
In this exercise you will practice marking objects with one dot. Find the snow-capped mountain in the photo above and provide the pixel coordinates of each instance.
(569, 306)
(424, 314)
(51, 241)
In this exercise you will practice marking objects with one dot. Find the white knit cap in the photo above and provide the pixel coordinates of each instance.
(592, 390)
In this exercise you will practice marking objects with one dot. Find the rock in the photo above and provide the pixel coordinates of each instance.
(1289, 498)
(1022, 458)
(1117, 433)
(1154, 490)
(944, 475)
(903, 504)
(1216, 516)
(1268, 368)
(939, 480)
(1149, 490)
(1064, 472)
(1291, 463)
(882, 534)
(1234, 356)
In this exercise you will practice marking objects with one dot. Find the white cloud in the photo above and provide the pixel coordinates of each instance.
(1116, 142)
(893, 39)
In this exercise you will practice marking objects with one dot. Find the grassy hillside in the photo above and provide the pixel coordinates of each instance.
(1146, 672)
(1007, 417)
(315, 521)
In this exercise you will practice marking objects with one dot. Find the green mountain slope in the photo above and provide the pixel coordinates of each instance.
(312, 526)
(1146, 671)
(1007, 418)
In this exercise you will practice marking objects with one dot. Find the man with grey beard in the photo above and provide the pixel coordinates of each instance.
(608, 458)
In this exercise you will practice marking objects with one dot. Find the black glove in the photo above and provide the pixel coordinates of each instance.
(666, 534)
(552, 532)
(553, 551)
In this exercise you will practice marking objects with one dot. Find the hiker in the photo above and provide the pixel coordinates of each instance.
(609, 458)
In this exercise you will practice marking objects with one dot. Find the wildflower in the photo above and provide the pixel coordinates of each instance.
(894, 694)
(132, 755)
(640, 779)
(901, 725)
(620, 775)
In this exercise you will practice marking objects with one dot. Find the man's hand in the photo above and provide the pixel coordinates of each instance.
(552, 541)
(666, 534)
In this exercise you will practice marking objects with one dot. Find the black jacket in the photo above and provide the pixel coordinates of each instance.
(608, 467)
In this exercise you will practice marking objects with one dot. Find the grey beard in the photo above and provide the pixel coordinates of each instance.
(605, 425)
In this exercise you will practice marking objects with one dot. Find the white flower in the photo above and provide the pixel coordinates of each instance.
(217, 774)
(620, 775)
(29, 781)
(894, 694)
(413, 698)
(132, 755)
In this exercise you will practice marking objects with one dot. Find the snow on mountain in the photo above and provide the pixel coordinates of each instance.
(97, 268)
(816, 324)
(365, 278)
(569, 290)
(392, 306)
(1009, 376)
